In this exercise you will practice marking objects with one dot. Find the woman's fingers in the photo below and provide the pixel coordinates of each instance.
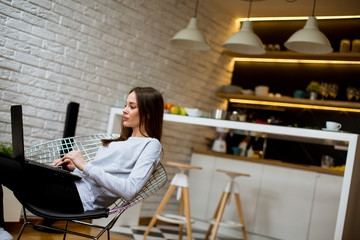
(57, 162)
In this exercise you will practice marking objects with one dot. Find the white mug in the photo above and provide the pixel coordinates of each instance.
(333, 125)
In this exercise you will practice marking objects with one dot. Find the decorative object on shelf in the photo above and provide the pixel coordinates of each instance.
(300, 94)
(313, 89)
(245, 40)
(191, 37)
(355, 47)
(333, 90)
(351, 93)
(235, 116)
(309, 39)
(344, 46)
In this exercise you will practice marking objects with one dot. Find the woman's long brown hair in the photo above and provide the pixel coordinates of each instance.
(151, 110)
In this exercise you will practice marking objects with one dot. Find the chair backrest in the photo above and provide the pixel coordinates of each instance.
(49, 151)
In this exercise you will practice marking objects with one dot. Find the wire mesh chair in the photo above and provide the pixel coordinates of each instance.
(47, 152)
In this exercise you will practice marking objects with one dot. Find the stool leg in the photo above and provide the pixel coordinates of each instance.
(160, 208)
(214, 217)
(181, 214)
(238, 204)
(219, 215)
(187, 212)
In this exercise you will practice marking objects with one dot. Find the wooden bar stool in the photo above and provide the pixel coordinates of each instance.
(181, 182)
(231, 187)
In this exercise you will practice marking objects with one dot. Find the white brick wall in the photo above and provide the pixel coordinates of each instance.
(94, 51)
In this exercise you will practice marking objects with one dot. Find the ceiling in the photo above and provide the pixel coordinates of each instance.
(285, 8)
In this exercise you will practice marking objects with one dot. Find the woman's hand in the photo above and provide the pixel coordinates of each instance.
(65, 163)
(76, 159)
(71, 160)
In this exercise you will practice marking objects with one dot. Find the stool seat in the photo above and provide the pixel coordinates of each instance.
(235, 174)
(182, 166)
(179, 181)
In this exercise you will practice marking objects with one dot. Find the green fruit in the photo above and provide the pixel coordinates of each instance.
(174, 110)
(182, 111)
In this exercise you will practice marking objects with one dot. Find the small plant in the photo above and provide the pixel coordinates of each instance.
(6, 149)
(313, 87)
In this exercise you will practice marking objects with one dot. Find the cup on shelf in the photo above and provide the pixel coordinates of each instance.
(333, 126)
(261, 90)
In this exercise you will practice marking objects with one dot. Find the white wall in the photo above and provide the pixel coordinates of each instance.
(94, 51)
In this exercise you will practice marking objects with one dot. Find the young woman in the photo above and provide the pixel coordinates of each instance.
(120, 169)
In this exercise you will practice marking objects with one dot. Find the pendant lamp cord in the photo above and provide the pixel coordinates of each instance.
(249, 9)
(196, 8)
(313, 13)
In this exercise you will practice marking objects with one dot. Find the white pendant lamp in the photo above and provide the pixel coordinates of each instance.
(309, 39)
(191, 37)
(245, 41)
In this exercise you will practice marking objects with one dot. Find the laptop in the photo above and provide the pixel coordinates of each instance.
(19, 153)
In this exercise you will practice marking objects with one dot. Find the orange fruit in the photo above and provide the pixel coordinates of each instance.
(169, 105)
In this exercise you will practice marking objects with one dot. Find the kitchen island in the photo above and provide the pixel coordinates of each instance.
(348, 214)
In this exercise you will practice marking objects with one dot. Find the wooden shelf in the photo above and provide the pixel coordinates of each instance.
(272, 162)
(294, 55)
(329, 103)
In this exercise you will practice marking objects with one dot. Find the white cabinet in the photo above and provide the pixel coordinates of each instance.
(325, 207)
(278, 202)
(200, 182)
(285, 201)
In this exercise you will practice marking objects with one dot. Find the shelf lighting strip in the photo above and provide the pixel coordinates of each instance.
(280, 60)
(264, 19)
(293, 105)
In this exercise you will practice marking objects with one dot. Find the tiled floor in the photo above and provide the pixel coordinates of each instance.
(163, 232)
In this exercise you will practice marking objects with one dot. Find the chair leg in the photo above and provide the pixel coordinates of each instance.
(214, 217)
(66, 227)
(241, 216)
(160, 208)
(187, 212)
(181, 214)
(24, 225)
(219, 215)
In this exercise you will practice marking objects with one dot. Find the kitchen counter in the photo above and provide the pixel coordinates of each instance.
(348, 218)
(272, 162)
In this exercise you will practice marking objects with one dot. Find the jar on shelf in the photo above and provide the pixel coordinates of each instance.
(234, 116)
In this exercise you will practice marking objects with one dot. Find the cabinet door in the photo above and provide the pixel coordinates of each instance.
(325, 207)
(200, 182)
(285, 200)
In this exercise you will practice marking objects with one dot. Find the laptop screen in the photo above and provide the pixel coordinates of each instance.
(17, 133)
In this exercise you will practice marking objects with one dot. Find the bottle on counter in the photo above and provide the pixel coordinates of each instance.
(250, 152)
(242, 148)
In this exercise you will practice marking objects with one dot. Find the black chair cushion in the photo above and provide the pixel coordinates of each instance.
(45, 213)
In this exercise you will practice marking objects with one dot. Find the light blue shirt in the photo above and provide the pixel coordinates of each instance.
(118, 170)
